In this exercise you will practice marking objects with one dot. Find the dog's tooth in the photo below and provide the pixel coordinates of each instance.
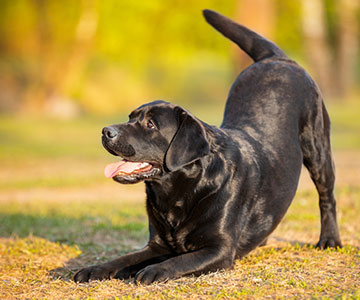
(141, 165)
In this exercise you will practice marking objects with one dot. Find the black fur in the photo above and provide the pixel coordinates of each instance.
(215, 194)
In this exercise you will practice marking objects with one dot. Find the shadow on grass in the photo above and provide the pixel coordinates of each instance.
(63, 229)
(291, 242)
(69, 269)
(97, 238)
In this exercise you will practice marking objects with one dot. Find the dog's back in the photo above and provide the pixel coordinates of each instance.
(274, 85)
(271, 100)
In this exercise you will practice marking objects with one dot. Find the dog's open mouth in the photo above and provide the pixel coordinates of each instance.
(130, 172)
(125, 167)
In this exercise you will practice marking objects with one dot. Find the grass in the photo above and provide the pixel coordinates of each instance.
(59, 213)
(345, 124)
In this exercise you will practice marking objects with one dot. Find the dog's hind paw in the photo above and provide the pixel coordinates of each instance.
(263, 243)
(328, 243)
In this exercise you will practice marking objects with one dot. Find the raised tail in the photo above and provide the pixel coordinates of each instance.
(256, 46)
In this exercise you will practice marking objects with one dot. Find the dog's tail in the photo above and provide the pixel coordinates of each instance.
(256, 46)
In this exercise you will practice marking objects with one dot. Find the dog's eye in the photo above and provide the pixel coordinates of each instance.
(150, 124)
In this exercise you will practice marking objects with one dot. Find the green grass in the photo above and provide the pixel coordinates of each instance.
(40, 138)
(345, 119)
(69, 223)
(59, 213)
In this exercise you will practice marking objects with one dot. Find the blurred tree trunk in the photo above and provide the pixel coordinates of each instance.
(348, 46)
(317, 48)
(333, 68)
(259, 16)
(72, 65)
(35, 94)
(54, 68)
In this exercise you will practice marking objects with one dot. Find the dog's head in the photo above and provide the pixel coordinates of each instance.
(159, 138)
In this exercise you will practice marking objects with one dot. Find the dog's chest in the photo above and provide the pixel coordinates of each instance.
(172, 229)
(175, 215)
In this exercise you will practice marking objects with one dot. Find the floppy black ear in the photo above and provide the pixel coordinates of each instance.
(188, 144)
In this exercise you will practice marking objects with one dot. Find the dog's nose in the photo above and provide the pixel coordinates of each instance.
(109, 132)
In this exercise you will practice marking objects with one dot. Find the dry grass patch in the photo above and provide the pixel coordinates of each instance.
(26, 272)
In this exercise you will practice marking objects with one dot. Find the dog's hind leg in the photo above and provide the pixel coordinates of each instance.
(315, 144)
(263, 243)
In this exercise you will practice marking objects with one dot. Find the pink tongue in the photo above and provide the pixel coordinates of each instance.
(122, 166)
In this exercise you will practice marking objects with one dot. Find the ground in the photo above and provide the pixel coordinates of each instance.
(59, 213)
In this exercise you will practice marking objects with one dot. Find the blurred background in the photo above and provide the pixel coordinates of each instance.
(72, 58)
(70, 67)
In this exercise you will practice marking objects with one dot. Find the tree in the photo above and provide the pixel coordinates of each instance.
(332, 43)
(348, 46)
(317, 50)
(259, 16)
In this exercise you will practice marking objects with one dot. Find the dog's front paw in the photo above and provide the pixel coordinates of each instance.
(99, 272)
(153, 273)
(328, 243)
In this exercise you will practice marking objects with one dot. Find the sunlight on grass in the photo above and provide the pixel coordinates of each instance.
(39, 138)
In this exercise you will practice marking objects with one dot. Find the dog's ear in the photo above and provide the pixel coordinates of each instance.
(188, 144)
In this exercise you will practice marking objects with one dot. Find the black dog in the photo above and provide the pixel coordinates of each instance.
(214, 194)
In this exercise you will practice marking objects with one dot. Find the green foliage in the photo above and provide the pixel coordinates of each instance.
(110, 56)
(154, 32)
(332, 18)
(288, 34)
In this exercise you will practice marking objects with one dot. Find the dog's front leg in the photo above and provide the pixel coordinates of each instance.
(201, 261)
(122, 267)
